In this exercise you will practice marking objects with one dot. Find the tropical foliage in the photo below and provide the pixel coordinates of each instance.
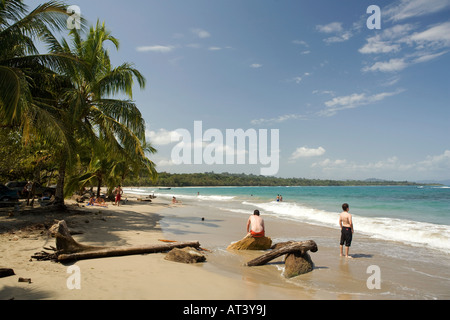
(64, 101)
(229, 179)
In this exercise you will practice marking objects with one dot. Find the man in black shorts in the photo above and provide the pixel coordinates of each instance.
(346, 224)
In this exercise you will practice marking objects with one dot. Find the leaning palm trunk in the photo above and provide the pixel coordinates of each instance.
(59, 194)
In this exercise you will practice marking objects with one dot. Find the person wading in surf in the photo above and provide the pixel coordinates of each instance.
(346, 224)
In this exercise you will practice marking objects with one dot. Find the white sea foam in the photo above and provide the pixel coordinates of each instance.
(242, 211)
(405, 231)
(214, 198)
(147, 191)
(201, 197)
(137, 191)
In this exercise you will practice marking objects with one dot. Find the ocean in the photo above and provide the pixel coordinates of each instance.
(411, 215)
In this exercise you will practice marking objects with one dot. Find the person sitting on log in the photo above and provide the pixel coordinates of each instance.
(255, 225)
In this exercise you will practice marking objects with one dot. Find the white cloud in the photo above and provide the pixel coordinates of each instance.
(327, 163)
(438, 35)
(214, 48)
(297, 79)
(426, 45)
(305, 152)
(428, 56)
(439, 162)
(432, 167)
(165, 163)
(342, 164)
(300, 42)
(405, 9)
(162, 137)
(377, 45)
(333, 27)
(392, 65)
(391, 81)
(255, 65)
(278, 119)
(156, 48)
(201, 33)
(352, 101)
(331, 93)
(339, 38)
(336, 28)
(388, 41)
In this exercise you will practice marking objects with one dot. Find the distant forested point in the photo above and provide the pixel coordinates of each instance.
(211, 179)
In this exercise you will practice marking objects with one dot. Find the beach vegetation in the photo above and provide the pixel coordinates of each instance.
(111, 128)
(69, 106)
(209, 179)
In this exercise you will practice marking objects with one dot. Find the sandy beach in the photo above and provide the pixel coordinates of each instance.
(222, 277)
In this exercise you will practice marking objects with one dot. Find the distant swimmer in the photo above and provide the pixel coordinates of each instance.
(346, 224)
(255, 225)
(174, 200)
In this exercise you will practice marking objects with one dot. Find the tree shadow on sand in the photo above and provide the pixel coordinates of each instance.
(17, 293)
(105, 228)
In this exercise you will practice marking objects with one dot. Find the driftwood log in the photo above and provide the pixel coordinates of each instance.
(291, 247)
(67, 249)
(64, 241)
(6, 272)
(124, 251)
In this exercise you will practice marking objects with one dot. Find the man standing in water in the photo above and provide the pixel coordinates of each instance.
(346, 224)
(257, 229)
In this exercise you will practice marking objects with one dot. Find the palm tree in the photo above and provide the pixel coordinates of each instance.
(65, 96)
(100, 167)
(20, 60)
(90, 113)
(29, 80)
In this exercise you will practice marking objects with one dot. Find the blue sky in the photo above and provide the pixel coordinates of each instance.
(349, 102)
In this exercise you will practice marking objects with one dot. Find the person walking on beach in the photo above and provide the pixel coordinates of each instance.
(255, 225)
(118, 191)
(346, 224)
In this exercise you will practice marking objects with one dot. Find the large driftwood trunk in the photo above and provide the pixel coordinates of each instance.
(124, 251)
(64, 241)
(67, 249)
(301, 247)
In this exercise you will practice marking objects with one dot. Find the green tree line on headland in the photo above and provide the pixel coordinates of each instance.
(60, 119)
(208, 179)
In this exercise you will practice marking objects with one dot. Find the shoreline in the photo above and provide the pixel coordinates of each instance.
(221, 277)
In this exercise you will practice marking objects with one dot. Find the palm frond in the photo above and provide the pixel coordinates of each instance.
(120, 80)
(10, 90)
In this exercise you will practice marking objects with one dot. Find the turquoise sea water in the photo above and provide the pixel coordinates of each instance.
(413, 215)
